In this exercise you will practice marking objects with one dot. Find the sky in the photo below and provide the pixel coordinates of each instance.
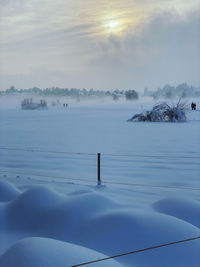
(116, 44)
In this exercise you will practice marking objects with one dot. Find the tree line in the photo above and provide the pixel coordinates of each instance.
(73, 92)
(182, 90)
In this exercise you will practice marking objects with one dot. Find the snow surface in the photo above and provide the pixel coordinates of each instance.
(52, 213)
(37, 251)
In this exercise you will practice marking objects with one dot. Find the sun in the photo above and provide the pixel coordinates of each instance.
(112, 26)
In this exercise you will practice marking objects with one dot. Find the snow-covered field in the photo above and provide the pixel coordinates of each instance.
(52, 213)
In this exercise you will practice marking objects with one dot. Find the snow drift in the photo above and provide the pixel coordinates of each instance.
(185, 209)
(61, 230)
(45, 252)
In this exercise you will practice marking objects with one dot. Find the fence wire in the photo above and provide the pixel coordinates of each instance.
(94, 154)
(108, 182)
(137, 251)
(102, 183)
(16, 172)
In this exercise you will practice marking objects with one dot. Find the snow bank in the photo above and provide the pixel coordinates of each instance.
(8, 192)
(93, 221)
(43, 252)
(26, 211)
(184, 209)
(122, 230)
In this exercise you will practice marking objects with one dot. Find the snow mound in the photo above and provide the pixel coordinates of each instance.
(121, 231)
(65, 220)
(184, 209)
(27, 209)
(93, 221)
(38, 196)
(7, 191)
(43, 252)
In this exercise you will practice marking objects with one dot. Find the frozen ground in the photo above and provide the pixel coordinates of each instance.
(149, 195)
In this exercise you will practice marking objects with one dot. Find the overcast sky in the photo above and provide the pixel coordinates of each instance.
(124, 44)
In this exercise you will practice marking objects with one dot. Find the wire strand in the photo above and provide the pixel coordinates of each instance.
(153, 156)
(47, 151)
(46, 176)
(138, 251)
(94, 154)
(155, 186)
(104, 182)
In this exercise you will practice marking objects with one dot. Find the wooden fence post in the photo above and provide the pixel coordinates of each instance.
(99, 169)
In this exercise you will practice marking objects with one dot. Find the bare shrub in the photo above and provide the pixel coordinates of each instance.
(163, 113)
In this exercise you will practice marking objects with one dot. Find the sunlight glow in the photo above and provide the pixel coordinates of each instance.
(113, 26)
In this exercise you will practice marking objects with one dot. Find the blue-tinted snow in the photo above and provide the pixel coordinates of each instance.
(112, 218)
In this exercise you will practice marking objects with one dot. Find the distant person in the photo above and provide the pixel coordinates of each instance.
(193, 106)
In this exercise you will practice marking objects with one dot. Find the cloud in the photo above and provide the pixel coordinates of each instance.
(165, 51)
(65, 43)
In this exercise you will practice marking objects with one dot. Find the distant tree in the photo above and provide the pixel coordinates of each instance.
(115, 97)
(184, 90)
(84, 92)
(169, 94)
(91, 92)
(107, 93)
(131, 95)
(168, 91)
